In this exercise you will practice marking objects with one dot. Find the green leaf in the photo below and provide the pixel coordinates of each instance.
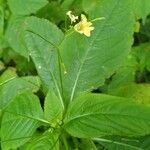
(142, 54)
(116, 145)
(89, 5)
(14, 86)
(14, 35)
(47, 141)
(79, 53)
(20, 120)
(124, 74)
(141, 8)
(53, 109)
(145, 30)
(89, 61)
(94, 115)
(138, 92)
(42, 38)
(26, 7)
(8, 74)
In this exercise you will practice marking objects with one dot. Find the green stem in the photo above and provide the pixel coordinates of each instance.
(60, 71)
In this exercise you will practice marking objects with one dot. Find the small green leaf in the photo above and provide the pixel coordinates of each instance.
(95, 115)
(47, 141)
(8, 74)
(53, 109)
(20, 120)
(26, 7)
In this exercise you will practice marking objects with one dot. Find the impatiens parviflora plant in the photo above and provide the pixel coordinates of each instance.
(71, 65)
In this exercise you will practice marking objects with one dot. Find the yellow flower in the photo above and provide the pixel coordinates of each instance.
(84, 27)
(72, 17)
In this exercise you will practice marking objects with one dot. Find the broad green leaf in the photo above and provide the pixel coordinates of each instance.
(47, 141)
(95, 115)
(141, 8)
(79, 52)
(42, 38)
(116, 145)
(53, 109)
(20, 120)
(138, 92)
(14, 35)
(89, 61)
(14, 86)
(26, 7)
